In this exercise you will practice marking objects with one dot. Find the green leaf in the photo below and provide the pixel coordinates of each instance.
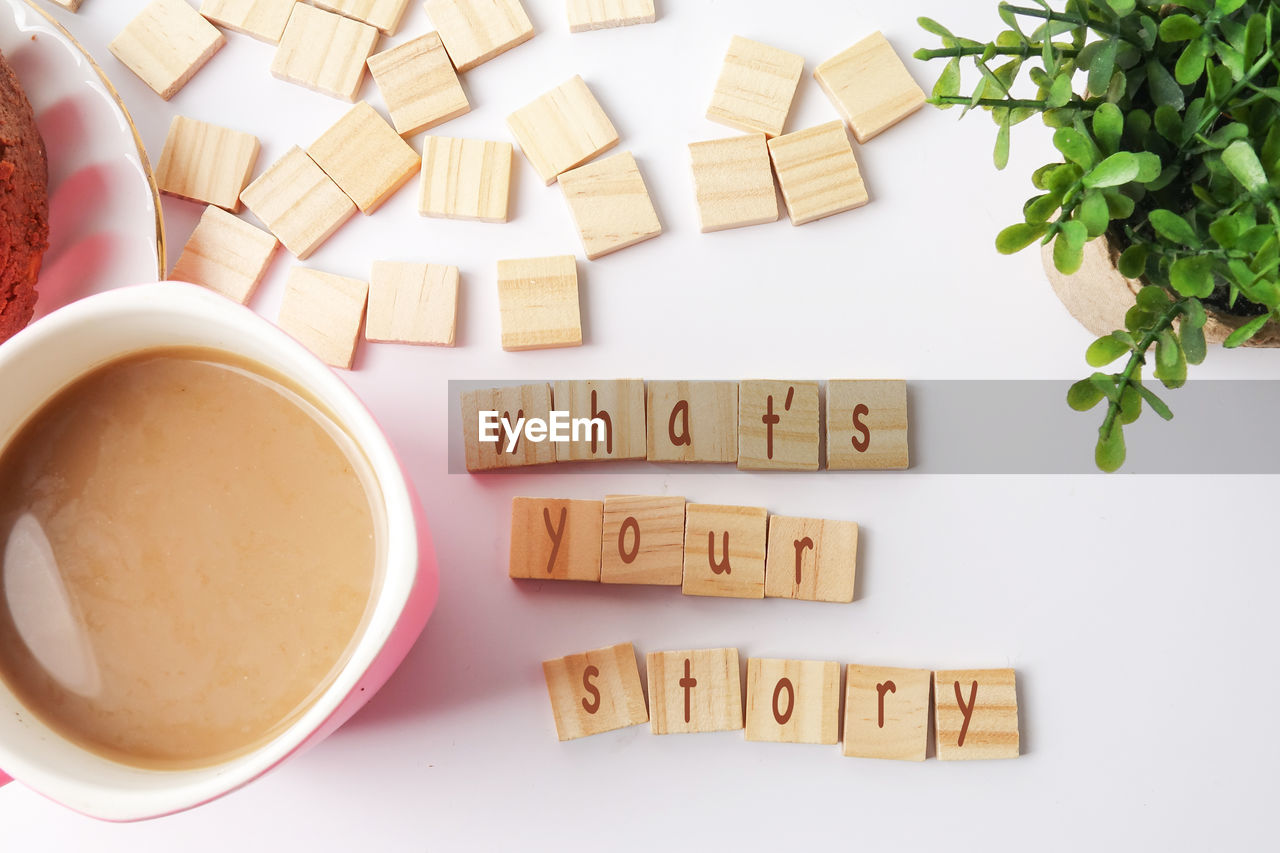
(1225, 231)
(1165, 90)
(1109, 454)
(1227, 7)
(1153, 298)
(1192, 275)
(1190, 64)
(1075, 232)
(1168, 123)
(1244, 164)
(1173, 227)
(1094, 214)
(1067, 258)
(1015, 238)
(1171, 363)
(1130, 404)
(1193, 343)
(948, 84)
(1083, 395)
(1133, 261)
(1040, 208)
(1180, 28)
(1119, 204)
(1105, 350)
(1166, 349)
(1074, 146)
(1193, 314)
(1001, 154)
(1157, 405)
(1101, 67)
(1122, 7)
(1245, 332)
(1232, 59)
(1119, 168)
(929, 25)
(1149, 166)
(1059, 91)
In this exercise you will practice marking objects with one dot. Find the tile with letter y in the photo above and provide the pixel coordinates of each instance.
(793, 701)
(617, 403)
(693, 421)
(553, 539)
(975, 714)
(724, 550)
(510, 404)
(643, 540)
(811, 559)
(886, 712)
(694, 691)
(594, 692)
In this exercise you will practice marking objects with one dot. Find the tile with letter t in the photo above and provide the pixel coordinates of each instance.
(617, 403)
(594, 692)
(694, 691)
(793, 701)
(554, 539)
(867, 424)
(778, 425)
(724, 550)
(811, 559)
(886, 712)
(510, 404)
(975, 714)
(643, 540)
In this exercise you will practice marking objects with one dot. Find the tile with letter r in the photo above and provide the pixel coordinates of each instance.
(643, 540)
(793, 701)
(975, 714)
(812, 559)
(694, 691)
(724, 550)
(511, 403)
(553, 539)
(886, 712)
(594, 692)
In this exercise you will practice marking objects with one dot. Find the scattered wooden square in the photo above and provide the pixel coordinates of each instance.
(817, 172)
(618, 403)
(724, 550)
(69, 5)
(555, 539)
(418, 84)
(756, 87)
(511, 403)
(867, 424)
(595, 692)
(793, 701)
(643, 540)
(365, 157)
(811, 559)
(733, 180)
(226, 255)
(324, 312)
(870, 86)
(465, 179)
(475, 31)
(694, 691)
(562, 129)
(587, 15)
(324, 52)
(205, 162)
(261, 19)
(383, 14)
(693, 421)
(298, 202)
(886, 712)
(538, 300)
(412, 304)
(610, 205)
(778, 425)
(975, 714)
(165, 44)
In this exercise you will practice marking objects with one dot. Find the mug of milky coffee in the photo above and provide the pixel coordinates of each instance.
(209, 555)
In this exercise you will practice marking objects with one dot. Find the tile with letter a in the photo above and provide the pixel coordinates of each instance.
(867, 424)
(166, 44)
(811, 559)
(724, 550)
(756, 87)
(870, 86)
(693, 421)
(643, 540)
(418, 84)
(886, 712)
(817, 172)
(619, 406)
(475, 31)
(562, 129)
(594, 692)
(793, 701)
(510, 403)
(778, 425)
(975, 714)
(554, 539)
(694, 691)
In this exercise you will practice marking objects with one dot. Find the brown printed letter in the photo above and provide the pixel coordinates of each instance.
(881, 689)
(967, 712)
(778, 714)
(679, 438)
(608, 427)
(587, 674)
(556, 533)
(801, 544)
(688, 683)
(631, 524)
(723, 567)
(861, 444)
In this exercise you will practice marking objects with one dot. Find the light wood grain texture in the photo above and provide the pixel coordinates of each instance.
(724, 550)
(756, 87)
(418, 84)
(475, 31)
(324, 52)
(733, 182)
(511, 403)
(619, 403)
(205, 162)
(643, 540)
(610, 205)
(538, 301)
(555, 539)
(261, 19)
(692, 421)
(811, 559)
(694, 691)
(166, 44)
(69, 5)
(867, 424)
(465, 179)
(991, 709)
(562, 129)
(585, 15)
(226, 255)
(412, 304)
(817, 172)
(595, 692)
(383, 14)
(299, 203)
(324, 312)
(793, 701)
(365, 157)
(870, 86)
(778, 425)
(886, 712)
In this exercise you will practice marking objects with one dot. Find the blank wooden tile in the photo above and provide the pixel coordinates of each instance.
(886, 712)
(383, 14)
(69, 5)
(756, 86)
(870, 86)
(587, 15)
(610, 204)
(867, 424)
(724, 550)
(475, 31)
(226, 255)
(733, 181)
(554, 539)
(694, 691)
(817, 172)
(465, 179)
(643, 540)
(365, 157)
(778, 425)
(812, 559)
(562, 129)
(619, 403)
(165, 44)
(594, 692)
(412, 304)
(692, 421)
(538, 300)
(511, 403)
(205, 162)
(793, 701)
(261, 19)
(324, 51)
(324, 312)
(298, 202)
(975, 714)
(418, 84)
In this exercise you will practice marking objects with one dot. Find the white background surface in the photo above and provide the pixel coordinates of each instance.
(1137, 611)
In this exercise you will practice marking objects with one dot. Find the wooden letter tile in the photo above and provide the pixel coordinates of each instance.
(324, 312)
(793, 701)
(538, 300)
(383, 14)
(618, 404)
(418, 84)
(324, 51)
(465, 179)
(817, 172)
(587, 15)
(866, 424)
(595, 692)
(870, 86)
(811, 559)
(365, 157)
(693, 421)
(562, 129)
(610, 204)
(298, 202)
(226, 255)
(556, 539)
(207, 163)
(975, 713)
(69, 5)
(643, 540)
(694, 691)
(511, 403)
(261, 19)
(733, 180)
(166, 44)
(778, 425)
(724, 550)
(412, 304)
(886, 712)
(756, 87)
(475, 31)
